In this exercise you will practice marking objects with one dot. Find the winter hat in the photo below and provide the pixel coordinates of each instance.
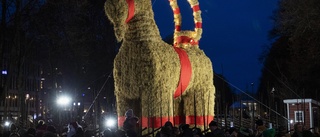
(168, 124)
(183, 126)
(129, 115)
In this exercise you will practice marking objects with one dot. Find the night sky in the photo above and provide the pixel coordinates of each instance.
(235, 33)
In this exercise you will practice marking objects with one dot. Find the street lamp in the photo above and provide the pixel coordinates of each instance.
(110, 122)
(7, 123)
(63, 101)
(75, 110)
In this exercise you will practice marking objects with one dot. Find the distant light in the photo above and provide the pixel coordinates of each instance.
(7, 123)
(35, 116)
(63, 100)
(79, 103)
(89, 87)
(111, 122)
(291, 121)
(74, 103)
(27, 96)
(231, 124)
(83, 94)
(4, 72)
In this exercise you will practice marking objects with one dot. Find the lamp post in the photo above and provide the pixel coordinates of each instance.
(253, 107)
(75, 110)
(62, 101)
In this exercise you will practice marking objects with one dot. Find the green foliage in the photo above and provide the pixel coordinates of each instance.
(293, 61)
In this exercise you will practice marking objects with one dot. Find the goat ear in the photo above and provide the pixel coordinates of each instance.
(117, 12)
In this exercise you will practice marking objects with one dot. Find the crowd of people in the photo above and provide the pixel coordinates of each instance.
(45, 130)
(214, 131)
(167, 130)
(183, 130)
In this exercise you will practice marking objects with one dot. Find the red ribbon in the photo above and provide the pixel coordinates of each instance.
(185, 72)
(178, 27)
(130, 10)
(196, 8)
(198, 25)
(121, 120)
(156, 122)
(186, 39)
(176, 11)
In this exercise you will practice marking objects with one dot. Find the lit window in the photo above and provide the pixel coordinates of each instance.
(298, 116)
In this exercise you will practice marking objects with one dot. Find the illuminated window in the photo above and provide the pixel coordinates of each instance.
(298, 116)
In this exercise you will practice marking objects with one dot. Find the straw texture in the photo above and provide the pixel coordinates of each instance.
(147, 70)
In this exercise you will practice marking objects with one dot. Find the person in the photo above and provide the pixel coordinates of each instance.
(50, 132)
(176, 131)
(120, 133)
(79, 132)
(269, 132)
(41, 128)
(13, 131)
(215, 130)
(107, 133)
(260, 128)
(31, 132)
(226, 133)
(166, 130)
(72, 128)
(130, 123)
(298, 128)
(307, 133)
(233, 132)
(185, 131)
(197, 132)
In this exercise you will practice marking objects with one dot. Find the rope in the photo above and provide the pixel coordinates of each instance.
(251, 97)
(98, 94)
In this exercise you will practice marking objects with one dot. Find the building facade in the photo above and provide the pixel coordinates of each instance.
(305, 111)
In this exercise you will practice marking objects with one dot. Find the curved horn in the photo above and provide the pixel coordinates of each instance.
(190, 37)
(176, 15)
